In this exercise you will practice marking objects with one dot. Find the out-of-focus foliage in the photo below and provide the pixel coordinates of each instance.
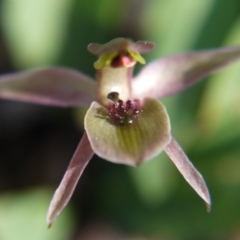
(152, 200)
(35, 30)
(22, 216)
(177, 24)
(220, 111)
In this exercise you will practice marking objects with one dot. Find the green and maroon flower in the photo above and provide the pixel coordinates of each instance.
(125, 122)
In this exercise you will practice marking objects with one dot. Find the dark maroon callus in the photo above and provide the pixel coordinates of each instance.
(123, 112)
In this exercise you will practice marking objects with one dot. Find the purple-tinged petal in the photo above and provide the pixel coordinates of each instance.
(61, 197)
(143, 46)
(189, 172)
(172, 74)
(120, 44)
(127, 140)
(53, 86)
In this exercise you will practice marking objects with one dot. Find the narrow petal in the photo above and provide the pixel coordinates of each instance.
(172, 74)
(49, 86)
(189, 172)
(61, 197)
(129, 144)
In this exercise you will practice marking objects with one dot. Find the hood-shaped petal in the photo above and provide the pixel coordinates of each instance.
(143, 46)
(129, 144)
(75, 169)
(49, 86)
(189, 172)
(120, 44)
(172, 74)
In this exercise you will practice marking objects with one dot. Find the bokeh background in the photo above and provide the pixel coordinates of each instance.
(113, 201)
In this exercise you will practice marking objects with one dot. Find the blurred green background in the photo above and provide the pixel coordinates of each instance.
(114, 201)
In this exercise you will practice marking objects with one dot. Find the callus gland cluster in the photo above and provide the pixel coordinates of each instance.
(121, 112)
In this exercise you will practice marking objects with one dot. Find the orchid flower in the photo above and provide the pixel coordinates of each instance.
(125, 122)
